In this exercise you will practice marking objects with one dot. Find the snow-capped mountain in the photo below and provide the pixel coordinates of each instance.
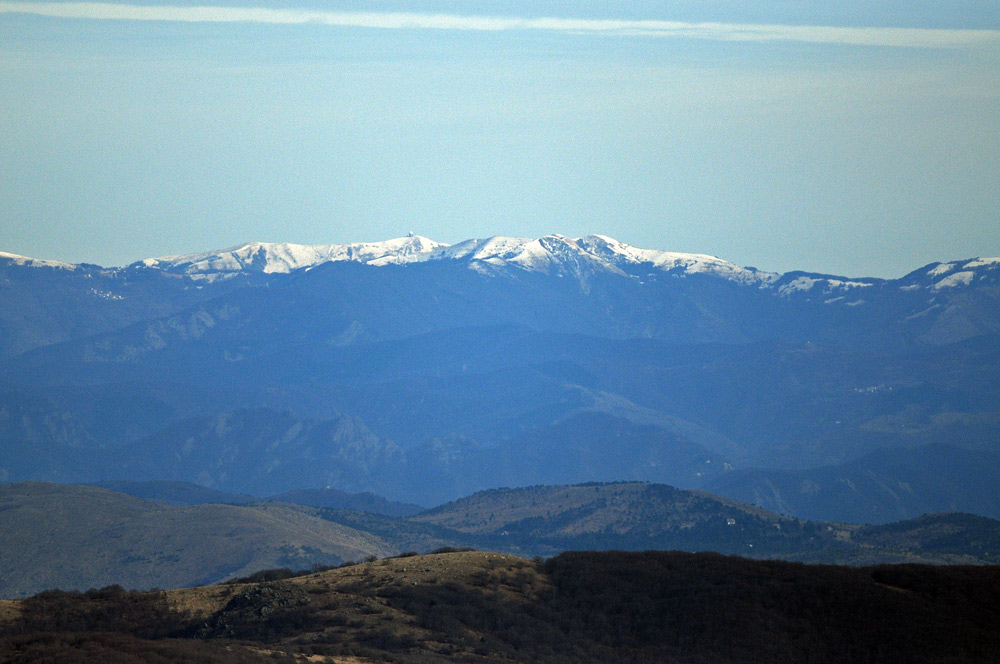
(579, 259)
(959, 273)
(560, 255)
(272, 257)
(487, 349)
(552, 254)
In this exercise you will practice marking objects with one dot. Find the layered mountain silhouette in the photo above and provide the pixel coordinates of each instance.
(423, 372)
(79, 537)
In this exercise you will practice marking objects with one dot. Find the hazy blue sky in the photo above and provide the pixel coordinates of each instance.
(855, 138)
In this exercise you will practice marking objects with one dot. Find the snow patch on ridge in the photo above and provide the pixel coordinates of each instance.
(966, 274)
(798, 284)
(953, 280)
(940, 268)
(35, 262)
(828, 284)
(991, 263)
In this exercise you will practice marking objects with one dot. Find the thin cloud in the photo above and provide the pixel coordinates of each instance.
(858, 36)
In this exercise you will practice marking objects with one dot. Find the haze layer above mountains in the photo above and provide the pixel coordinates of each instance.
(424, 372)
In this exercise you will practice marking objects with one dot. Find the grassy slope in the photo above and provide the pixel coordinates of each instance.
(632, 516)
(617, 506)
(638, 516)
(79, 537)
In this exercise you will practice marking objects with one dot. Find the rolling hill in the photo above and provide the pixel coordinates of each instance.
(58, 536)
(639, 516)
(77, 537)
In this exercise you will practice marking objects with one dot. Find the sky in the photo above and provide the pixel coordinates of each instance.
(859, 139)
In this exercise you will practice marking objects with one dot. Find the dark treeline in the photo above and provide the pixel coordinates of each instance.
(708, 608)
(608, 607)
(109, 609)
(111, 625)
(713, 608)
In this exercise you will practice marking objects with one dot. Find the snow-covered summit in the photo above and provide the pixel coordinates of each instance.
(621, 254)
(551, 254)
(270, 257)
(560, 255)
(960, 273)
(35, 262)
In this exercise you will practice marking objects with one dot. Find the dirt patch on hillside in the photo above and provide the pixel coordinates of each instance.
(9, 610)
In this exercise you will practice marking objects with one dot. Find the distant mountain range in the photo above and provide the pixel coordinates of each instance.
(552, 254)
(424, 372)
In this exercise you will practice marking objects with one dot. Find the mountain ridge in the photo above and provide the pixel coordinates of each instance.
(549, 253)
(487, 254)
